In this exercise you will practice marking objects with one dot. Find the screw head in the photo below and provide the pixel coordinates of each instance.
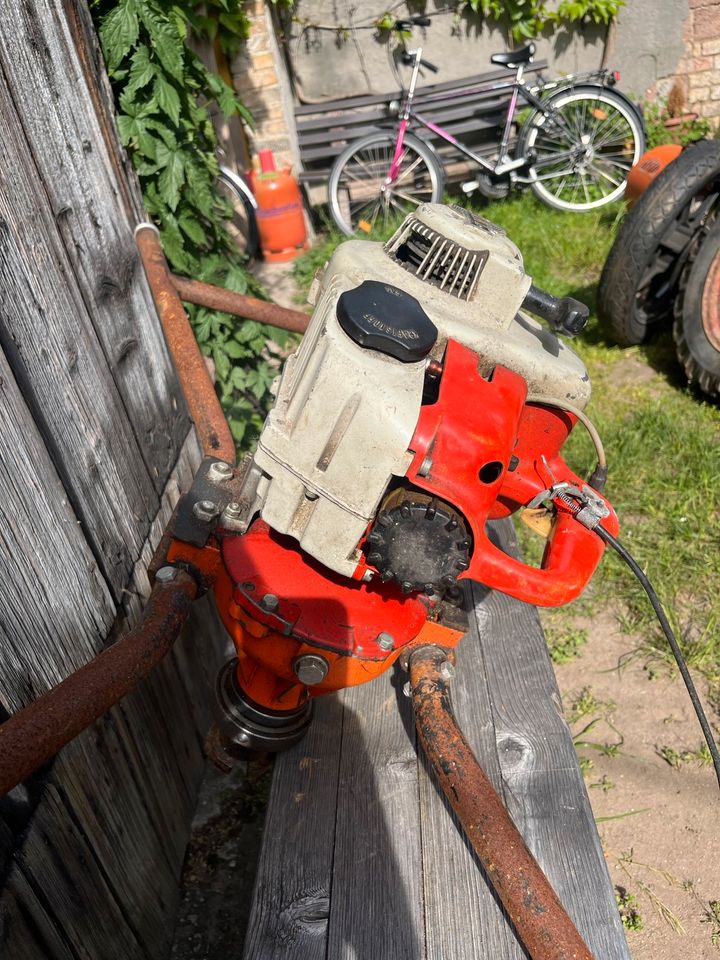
(386, 641)
(311, 668)
(269, 602)
(166, 574)
(447, 670)
(205, 510)
(220, 471)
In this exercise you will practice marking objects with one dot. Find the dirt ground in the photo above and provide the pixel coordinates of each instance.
(663, 847)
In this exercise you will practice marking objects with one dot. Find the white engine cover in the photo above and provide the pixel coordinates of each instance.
(345, 414)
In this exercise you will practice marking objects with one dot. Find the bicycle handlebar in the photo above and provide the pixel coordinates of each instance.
(410, 22)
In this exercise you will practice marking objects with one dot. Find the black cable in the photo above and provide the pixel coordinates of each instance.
(667, 630)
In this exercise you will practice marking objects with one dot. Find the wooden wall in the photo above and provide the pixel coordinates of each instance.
(95, 445)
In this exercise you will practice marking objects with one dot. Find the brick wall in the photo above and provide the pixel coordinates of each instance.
(697, 78)
(260, 77)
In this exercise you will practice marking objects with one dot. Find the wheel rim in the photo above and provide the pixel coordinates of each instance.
(366, 202)
(584, 151)
(238, 225)
(711, 304)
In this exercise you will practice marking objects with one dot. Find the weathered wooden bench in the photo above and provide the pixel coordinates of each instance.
(460, 106)
(362, 859)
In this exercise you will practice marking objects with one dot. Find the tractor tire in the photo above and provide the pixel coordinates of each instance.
(697, 314)
(640, 277)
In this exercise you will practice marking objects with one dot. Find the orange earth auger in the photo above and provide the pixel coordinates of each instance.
(420, 404)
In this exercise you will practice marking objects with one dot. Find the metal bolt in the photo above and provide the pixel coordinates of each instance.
(447, 670)
(242, 737)
(311, 668)
(205, 510)
(425, 467)
(220, 471)
(386, 641)
(232, 511)
(166, 574)
(270, 602)
(407, 689)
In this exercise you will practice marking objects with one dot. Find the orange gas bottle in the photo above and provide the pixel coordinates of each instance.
(281, 220)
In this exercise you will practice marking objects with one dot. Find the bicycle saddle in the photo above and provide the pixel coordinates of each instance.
(514, 57)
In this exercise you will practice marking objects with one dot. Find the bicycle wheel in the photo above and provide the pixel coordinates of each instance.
(243, 223)
(581, 153)
(361, 200)
(640, 278)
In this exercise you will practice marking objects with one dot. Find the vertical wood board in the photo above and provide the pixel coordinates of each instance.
(51, 346)
(74, 166)
(55, 608)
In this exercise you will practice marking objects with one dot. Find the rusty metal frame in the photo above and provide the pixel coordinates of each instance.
(539, 918)
(227, 301)
(37, 732)
(203, 404)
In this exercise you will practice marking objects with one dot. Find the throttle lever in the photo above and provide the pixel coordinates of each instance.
(564, 314)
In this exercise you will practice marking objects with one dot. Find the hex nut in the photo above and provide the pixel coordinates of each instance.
(270, 602)
(205, 510)
(220, 471)
(311, 668)
(166, 575)
(386, 641)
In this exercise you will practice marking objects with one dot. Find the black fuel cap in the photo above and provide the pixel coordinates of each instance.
(381, 317)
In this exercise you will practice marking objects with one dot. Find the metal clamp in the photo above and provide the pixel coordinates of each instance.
(587, 506)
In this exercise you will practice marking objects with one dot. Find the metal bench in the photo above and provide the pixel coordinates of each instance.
(460, 106)
(361, 857)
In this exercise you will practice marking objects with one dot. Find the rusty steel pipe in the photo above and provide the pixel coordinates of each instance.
(540, 920)
(37, 732)
(203, 404)
(227, 301)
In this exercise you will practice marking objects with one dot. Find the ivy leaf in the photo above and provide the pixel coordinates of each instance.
(192, 228)
(167, 98)
(119, 32)
(166, 42)
(222, 363)
(142, 71)
(173, 174)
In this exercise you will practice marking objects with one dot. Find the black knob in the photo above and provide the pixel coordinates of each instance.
(564, 314)
(381, 317)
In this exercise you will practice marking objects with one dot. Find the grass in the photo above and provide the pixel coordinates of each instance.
(662, 441)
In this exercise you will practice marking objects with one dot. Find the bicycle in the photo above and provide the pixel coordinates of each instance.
(574, 150)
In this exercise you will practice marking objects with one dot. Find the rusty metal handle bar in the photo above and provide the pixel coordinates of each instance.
(203, 404)
(37, 732)
(227, 301)
(540, 920)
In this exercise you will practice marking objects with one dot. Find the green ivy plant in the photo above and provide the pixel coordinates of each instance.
(162, 91)
(528, 18)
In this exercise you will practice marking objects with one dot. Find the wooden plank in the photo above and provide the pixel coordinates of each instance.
(74, 167)
(291, 902)
(353, 103)
(51, 345)
(376, 908)
(543, 786)
(26, 931)
(55, 608)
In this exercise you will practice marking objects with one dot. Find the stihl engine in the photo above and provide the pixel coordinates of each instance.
(420, 405)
